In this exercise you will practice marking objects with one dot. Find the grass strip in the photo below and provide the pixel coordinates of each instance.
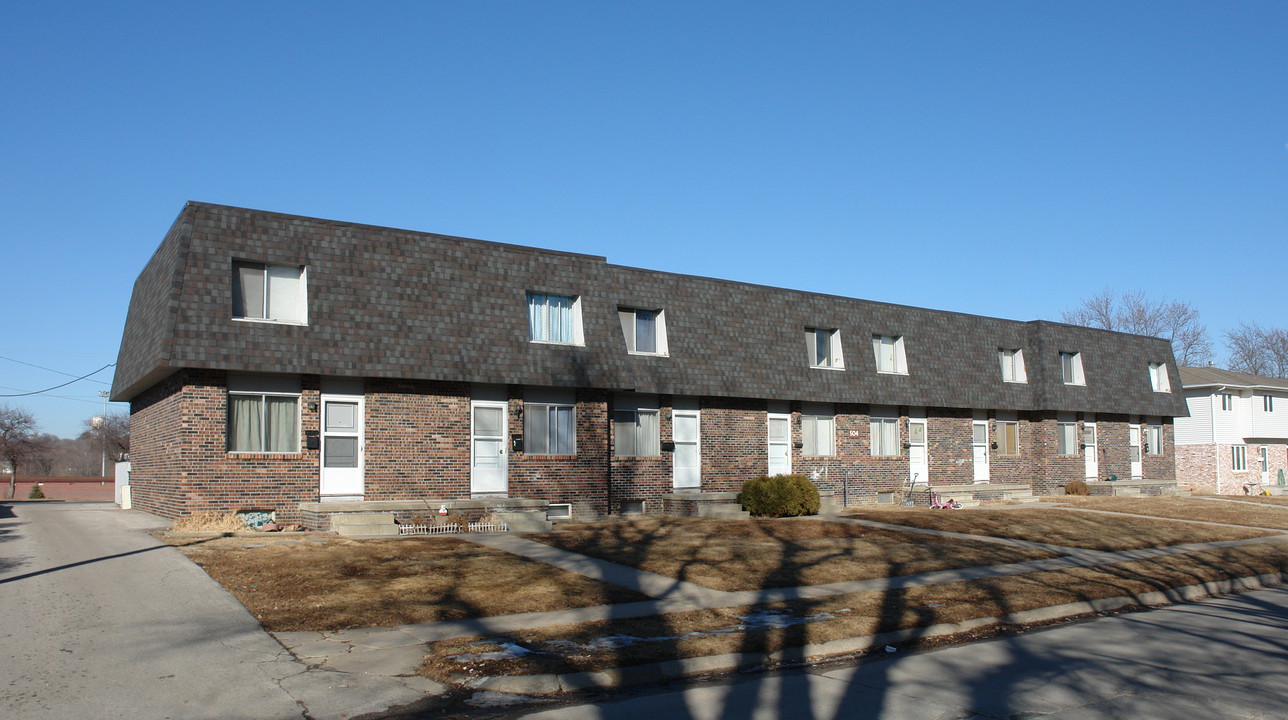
(602, 645)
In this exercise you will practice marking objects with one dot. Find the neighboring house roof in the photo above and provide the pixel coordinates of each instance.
(1214, 377)
(387, 303)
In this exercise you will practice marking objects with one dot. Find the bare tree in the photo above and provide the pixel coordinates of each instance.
(1133, 312)
(1257, 350)
(112, 435)
(18, 440)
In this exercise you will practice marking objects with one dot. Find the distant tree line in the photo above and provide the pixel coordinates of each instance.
(26, 451)
(1250, 347)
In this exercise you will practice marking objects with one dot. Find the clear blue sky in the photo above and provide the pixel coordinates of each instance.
(1005, 159)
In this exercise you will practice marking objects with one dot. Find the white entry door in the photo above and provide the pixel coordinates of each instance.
(1265, 466)
(342, 446)
(780, 444)
(687, 458)
(1133, 443)
(488, 459)
(918, 459)
(979, 447)
(1091, 450)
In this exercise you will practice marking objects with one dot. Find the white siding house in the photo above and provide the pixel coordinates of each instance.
(1235, 439)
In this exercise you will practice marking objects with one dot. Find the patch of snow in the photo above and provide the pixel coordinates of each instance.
(493, 699)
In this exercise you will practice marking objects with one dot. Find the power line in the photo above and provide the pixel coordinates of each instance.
(69, 382)
(60, 397)
(41, 367)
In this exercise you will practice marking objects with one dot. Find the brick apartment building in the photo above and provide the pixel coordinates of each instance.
(274, 361)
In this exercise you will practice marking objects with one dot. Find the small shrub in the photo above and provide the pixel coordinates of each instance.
(779, 496)
(1077, 487)
(210, 522)
(36, 493)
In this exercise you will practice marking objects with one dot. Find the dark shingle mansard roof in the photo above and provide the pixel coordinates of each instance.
(398, 304)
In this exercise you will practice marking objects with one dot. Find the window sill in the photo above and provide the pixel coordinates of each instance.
(253, 455)
(644, 354)
(1081, 384)
(265, 321)
(552, 342)
(1015, 382)
(892, 372)
(828, 367)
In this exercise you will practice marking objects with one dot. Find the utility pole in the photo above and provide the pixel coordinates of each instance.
(102, 429)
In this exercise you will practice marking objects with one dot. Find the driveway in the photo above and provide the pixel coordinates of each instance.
(100, 620)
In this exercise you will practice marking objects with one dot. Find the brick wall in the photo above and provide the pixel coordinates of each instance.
(417, 437)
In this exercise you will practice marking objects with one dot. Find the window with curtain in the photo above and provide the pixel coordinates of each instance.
(1153, 439)
(269, 292)
(824, 346)
(552, 318)
(635, 433)
(260, 422)
(643, 330)
(884, 433)
(1008, 437)
(1012, 365)
(818, 434)
(1066, 438)
(890, 355)
(549, 429)
(1071, 368)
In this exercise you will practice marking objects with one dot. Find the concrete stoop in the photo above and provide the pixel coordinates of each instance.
(652, 673)
(364, 524)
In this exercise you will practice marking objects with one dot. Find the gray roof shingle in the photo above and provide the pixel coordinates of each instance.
(399, 304)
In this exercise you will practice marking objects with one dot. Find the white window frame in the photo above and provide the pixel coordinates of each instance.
(1071, 368)
(262, 388)
(1066, 436)
(1227, 402)
(629, 318)
(1158, 379)
(1268, 403)
(883, 432)
(288, 279)
(637, 421)
(818, 430)
(1154, 438)
(1012, 361)
(832, 357)
(1239, 458)
(889, 354)
(551, 404)
(539, 321)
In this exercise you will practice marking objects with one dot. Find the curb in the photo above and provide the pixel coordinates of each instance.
(650, 673)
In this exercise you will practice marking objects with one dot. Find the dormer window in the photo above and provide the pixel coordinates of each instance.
(1012, 365)
(1158, 378)
(1071, 368)
(644, 331)
(554, 319)
(824, 347)
(890, 356)
(272, 293)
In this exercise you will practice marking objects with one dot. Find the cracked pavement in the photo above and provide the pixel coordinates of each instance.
(104, 621)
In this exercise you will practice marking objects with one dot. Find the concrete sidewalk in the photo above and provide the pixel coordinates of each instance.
(101, 620)
(399, 650)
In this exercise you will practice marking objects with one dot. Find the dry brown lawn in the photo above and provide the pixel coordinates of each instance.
(1092, 531)
(301, 582)
(615, 643)
(1265, 511)
(753, 554)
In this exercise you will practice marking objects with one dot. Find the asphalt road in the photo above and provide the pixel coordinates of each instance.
(100, 620)
(1225, 658)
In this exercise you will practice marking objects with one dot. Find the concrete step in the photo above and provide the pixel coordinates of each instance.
(363, 524)
(723, 511)
(524, 521)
